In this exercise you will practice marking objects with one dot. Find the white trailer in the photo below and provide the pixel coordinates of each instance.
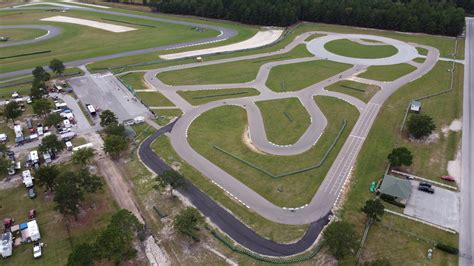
(87, 145)
(27, 178)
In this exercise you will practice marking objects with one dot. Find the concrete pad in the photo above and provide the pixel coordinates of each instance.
(90, 23)
(440, 208)
(105, 91)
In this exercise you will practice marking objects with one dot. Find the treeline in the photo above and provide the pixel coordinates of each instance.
(433, 17)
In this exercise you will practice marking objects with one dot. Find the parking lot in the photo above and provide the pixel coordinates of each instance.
(440, 208)
(104, 91)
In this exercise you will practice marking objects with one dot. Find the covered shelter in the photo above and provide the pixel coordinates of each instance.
(30, 231)
(415, 106)
(396, 187)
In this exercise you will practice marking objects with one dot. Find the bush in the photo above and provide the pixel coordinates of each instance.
(391, 200)
(447, 248)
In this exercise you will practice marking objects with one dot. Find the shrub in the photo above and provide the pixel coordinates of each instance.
(447, 248)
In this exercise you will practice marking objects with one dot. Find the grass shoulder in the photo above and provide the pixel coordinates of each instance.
(387, 73)
(205, 96)
(353, 49)
(362, 91)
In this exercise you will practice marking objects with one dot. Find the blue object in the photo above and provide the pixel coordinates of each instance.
(23, 226)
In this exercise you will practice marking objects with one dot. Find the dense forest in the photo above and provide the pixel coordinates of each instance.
(428, 16)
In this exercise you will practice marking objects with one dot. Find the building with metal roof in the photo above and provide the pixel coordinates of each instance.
(396, 187)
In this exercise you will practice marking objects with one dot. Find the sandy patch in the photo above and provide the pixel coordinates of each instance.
(430, 139)
(455, 126)
(90, 23)
(454, 167)
(262, 38)
(248, 142)
(84, 4)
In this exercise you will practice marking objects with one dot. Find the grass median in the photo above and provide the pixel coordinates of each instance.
(387, 73)
(353, 49)
(205, 96)
(233, 72)
(225, 126)
(362, 91)
(430, 161)
(285, 120)
(294, 77)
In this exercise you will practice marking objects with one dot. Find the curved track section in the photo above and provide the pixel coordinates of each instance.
(224, 219)
(51, 33)
(224, 34)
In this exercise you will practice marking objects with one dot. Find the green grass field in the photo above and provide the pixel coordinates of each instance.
(153, 99)
(234, 72)
(362, 91)
(285, 120)
(353, 49)
(387, 73)
(430, 161)
(294, 77)
(164, 116)
(225, 126)
(15, 203)
(205, 96)
(313, 36)
(444, 44)
(21, 34)
(420, 60)
(76, 42)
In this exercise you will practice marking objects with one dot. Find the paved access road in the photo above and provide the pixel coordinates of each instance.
(224, 34)
(51, 32)
(329, 191)
(466, 233)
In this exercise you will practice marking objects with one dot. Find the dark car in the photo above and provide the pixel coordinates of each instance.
(31, 192)
(426, 189)
(425, 184)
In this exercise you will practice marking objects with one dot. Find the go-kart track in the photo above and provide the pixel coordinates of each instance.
(315, 212)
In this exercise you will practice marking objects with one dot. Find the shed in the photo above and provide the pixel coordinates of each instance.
(30, 231)
(396, 187)
(415, 106)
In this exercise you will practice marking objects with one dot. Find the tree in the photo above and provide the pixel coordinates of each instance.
(47, 176)
(374, 209)
(115, 145)
(340, 237)
(38, 89)
(12, 110)
(88, 182)
(171, 178)
(116, 242)
(187, 221)
(83, 255)
(115, 129)
(400, 156)
(53, 119)
(420, 126)
(42, 107)
(5, 164)
(57, 66)
(83, 156)
(41, 74)
(107, 118)
(68, 194)
(51, 144)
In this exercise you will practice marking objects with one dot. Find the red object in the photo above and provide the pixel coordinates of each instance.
(8, 222)
(32, 213)
(448, 178)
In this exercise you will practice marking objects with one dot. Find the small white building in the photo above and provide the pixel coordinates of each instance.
(3, 137)
(67, 123)
(18, 131)
(33, 157)
(69, 146)
(87, 145)
(30, 231)
(139, 119)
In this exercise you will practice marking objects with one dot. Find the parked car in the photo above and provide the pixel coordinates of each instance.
(424, 184)
(448, 178)
(37, 250)
(31, 192)
(426, 189)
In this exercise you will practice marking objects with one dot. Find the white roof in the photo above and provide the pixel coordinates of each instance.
(33, 230)
(34, 155)
(87, 145)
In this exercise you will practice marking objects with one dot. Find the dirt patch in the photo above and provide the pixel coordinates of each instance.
(90, 23)
(454, 167)
(248, 142)
(430, 139)
(455, 126)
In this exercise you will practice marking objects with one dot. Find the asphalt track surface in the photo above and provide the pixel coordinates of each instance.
(466, 233)
(225, 220)
(51, 32)
(329, 191)
(225, 33)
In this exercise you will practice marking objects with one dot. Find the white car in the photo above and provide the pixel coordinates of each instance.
(37, 250)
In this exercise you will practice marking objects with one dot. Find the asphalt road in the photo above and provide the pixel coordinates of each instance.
(329, 191)
(225, 34)
(51, 33)
(466, 233)
(225, 220)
